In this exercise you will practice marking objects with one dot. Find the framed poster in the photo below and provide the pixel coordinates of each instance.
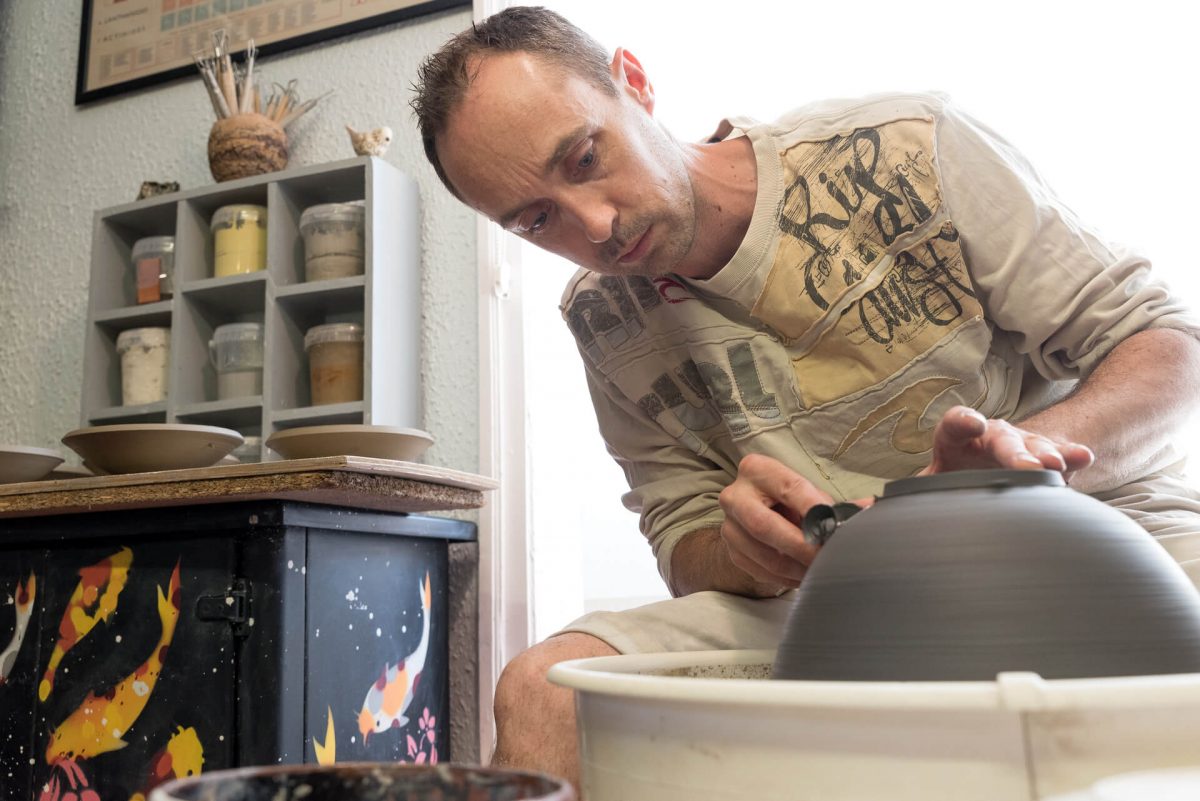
(129, 44)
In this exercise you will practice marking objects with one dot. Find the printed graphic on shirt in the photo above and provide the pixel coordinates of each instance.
(686, 385)
(922, 299)
(845, 202)
(728, 390)
(609, 318)
(908, 436)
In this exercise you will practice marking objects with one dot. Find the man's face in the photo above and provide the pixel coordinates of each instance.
(580, 172)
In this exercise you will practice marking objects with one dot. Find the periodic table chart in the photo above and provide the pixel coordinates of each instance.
(130, 39)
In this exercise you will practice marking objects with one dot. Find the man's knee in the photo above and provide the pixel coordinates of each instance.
(524, 678)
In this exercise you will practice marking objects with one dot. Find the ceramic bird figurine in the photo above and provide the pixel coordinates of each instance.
(372, 143)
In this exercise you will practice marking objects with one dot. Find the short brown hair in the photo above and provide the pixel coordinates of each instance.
(444, 77)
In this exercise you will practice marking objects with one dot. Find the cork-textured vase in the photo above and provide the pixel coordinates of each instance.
(964, 575)
(245, 145)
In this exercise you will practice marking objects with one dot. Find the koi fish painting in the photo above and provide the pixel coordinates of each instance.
(182, 756)
(25, 595)
(68, 782)
(327, 751)
(94, 599)
(390, 696)
(98, 724)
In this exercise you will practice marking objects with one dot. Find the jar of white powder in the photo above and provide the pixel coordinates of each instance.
(143, 353)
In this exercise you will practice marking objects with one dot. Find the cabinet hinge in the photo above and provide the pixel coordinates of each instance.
(232, 607)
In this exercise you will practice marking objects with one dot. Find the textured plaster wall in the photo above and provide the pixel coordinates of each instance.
(59, 163)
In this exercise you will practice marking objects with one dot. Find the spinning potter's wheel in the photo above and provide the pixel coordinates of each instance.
(978, 636)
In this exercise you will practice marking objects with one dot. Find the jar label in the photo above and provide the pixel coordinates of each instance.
(149, 272)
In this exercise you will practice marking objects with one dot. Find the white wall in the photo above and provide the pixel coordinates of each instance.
(1101, 97)
(58, 163)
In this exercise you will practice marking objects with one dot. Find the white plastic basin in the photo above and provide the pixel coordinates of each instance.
(696, 726)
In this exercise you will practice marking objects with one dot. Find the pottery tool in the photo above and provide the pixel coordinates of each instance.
(246, 100)
(207, 69)
(224, 68)
(233, 89)
(300, 110)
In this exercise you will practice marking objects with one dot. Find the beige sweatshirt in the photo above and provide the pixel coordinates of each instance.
(902, 258)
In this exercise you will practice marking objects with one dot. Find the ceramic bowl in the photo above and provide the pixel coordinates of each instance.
(367, 782)
(375, 442)
(964, 575)
(149, 447)
(65, 472)
(19, 463)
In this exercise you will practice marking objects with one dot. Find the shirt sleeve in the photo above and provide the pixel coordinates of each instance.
(1066, 295)
(673, 489)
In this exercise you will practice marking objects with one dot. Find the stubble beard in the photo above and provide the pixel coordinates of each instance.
(674, 223)
(675, 233)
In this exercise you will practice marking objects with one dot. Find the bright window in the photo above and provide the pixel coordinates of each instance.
(1100, 97)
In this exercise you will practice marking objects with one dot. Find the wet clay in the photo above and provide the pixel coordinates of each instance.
(962, 576)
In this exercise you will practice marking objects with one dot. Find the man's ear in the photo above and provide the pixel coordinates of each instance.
(630, 78)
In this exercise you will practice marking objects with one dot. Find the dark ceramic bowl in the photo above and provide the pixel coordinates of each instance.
(366, 782)
(961, 576)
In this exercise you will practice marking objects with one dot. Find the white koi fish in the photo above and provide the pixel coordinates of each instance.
(25, 595)
(389, 697)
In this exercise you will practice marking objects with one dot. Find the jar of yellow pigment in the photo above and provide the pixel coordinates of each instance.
(239, 239)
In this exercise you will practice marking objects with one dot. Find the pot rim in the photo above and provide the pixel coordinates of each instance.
(632, 675)
(561, 789)
(974, 479)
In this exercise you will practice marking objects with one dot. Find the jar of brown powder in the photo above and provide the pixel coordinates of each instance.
(335, 362)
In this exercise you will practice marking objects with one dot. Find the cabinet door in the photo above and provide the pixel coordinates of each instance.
(377, 649)
(130, 687)
(21, 583)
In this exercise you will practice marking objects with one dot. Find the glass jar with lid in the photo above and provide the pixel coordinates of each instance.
(236, 350)
(333, 240)
(153, 259)
(335, 362)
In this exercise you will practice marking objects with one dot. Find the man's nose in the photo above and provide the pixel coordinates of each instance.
(597, 217)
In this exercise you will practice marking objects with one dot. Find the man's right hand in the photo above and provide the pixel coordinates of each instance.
(764, 508)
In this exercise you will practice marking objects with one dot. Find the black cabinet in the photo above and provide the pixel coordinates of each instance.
(140, 645)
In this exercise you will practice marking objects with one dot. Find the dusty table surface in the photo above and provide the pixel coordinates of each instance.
(351, 481)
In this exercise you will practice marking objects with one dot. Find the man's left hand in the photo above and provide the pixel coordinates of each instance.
(966, 440)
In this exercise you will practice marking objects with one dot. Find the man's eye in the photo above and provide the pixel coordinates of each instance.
(588, 159)
(538, 223)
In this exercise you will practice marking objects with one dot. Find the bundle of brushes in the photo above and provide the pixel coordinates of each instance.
(248, 137)
(233, 89)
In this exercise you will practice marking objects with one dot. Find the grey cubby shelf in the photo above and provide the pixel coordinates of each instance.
(385, 300)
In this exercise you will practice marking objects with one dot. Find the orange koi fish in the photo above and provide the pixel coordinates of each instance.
(390, 695)
(25, 595)
(97, 725)
(183, 756)
(94, 599)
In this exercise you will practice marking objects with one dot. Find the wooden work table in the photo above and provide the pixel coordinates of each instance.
(352, 481)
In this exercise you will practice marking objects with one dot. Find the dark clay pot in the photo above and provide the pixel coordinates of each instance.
(366, 782)
(960, 576)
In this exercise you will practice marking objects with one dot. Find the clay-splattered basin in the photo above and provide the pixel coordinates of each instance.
(366, 782)
(711, 726)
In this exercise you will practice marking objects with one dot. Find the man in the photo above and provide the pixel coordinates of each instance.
(797, 312)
